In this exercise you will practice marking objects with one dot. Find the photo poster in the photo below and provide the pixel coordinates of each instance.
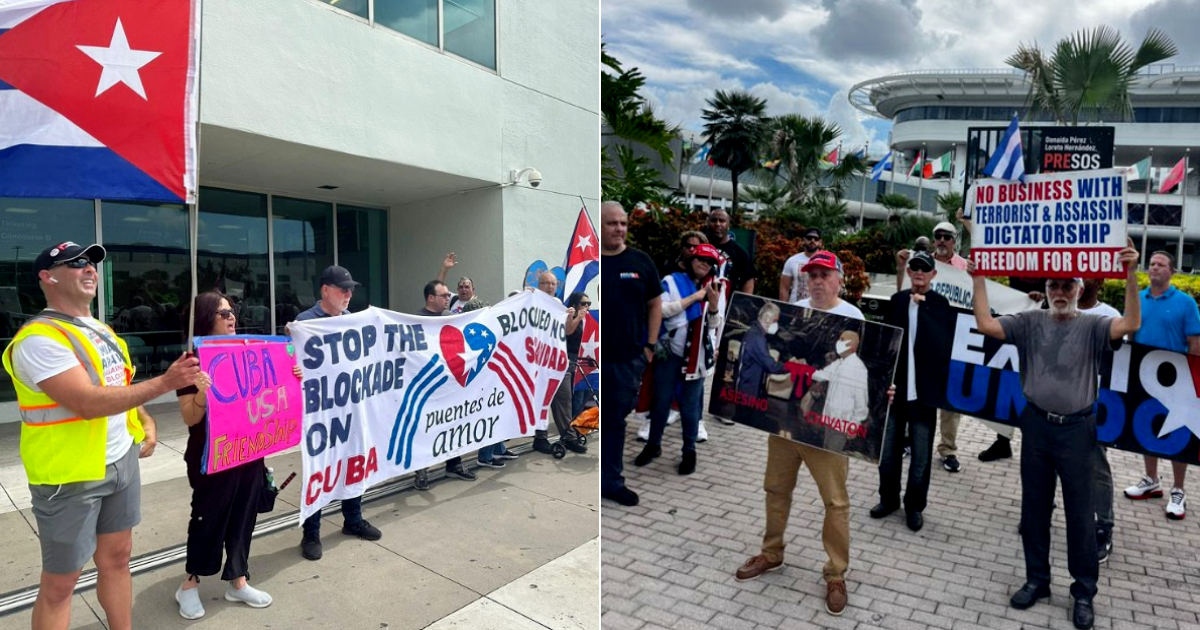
(255, 407)
(790, 380)
(1060, 225)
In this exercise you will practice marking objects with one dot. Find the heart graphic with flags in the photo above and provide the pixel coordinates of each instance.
(467, 351)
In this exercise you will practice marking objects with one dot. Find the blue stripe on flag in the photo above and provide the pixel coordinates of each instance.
(28, 170)
(413, 417)
(1008, 163)
(586, 272)
(420, 410)
(402, 413)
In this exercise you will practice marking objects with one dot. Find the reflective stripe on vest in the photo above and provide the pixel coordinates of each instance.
(51, 412)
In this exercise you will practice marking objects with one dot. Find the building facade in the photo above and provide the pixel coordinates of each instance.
(374, 134)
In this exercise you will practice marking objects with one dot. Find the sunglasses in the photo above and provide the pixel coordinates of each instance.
(585, 303)
(78, 263)
(707, 261)
(812, 238)
(691, 245)
(942, 236)
(226, 313)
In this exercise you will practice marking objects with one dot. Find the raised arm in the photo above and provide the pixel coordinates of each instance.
(1131, 321)
(984, 321)
(447, 264)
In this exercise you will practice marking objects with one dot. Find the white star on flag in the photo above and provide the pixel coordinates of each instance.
(585, 241)
(470, 358)
(588, 348)
(121, 64)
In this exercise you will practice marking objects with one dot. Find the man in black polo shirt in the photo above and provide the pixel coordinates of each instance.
(632, 304)
(337, 287)
(437, 301)
(740, 268)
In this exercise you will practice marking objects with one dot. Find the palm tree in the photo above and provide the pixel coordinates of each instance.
(799, 143)
(734, 127)
(771, 198)
(1089, 71)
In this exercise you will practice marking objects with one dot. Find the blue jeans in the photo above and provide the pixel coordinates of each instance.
(488, 453)
(618, 394)
(669, 384)
(351, 511)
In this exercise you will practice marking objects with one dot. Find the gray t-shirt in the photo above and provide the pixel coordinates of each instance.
(1059, 359)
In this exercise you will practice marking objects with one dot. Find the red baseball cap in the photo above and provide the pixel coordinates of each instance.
(704, 250)
(823, 259)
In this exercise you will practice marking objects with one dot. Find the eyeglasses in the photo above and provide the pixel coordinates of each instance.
(707, 261)
(78, 263)
(585, 303)
(691, 245)
(226, 313)
(444, 295)
(942, 236)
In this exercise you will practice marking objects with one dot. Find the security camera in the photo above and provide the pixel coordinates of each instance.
(535, 176)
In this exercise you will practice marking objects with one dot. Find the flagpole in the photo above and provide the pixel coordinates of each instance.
(194, 206)
(1146, 210)
(922, 158)
(1187, 154)
(892, 179)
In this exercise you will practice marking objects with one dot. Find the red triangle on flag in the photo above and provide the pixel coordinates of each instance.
(119, 70)
(584, 246)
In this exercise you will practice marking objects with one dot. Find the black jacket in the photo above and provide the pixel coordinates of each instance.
(931, 350)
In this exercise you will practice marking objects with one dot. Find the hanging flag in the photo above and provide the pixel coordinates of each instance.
(583, 256)
(587, 377)
(830, 159)
(771, 163)
(915, 171)
(1008, 162)
(701, 155)
(1141, 170)
(1173, 178)
(861, 153)
(882, 165)
(98, 99)
(940, 165)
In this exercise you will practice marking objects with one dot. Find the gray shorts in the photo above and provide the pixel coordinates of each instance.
(69, 516)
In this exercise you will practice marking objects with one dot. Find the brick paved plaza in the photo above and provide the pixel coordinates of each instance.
(669, 562)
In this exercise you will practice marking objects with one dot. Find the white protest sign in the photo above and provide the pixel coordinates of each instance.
(1060, 225)
(387, 393)
(958, 288)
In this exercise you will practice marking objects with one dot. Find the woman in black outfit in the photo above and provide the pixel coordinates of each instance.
(224, 504)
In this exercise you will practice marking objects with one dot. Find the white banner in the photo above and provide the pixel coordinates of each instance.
(957, 287)
(387, 393)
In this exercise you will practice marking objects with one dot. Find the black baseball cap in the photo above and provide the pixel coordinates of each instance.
(338, 277)
(921, 261)
(813, 232)
(66, 252)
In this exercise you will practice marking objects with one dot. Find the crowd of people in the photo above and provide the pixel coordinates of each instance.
(84, 427)
(660, 320)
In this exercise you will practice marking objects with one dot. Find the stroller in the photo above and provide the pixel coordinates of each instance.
(588, 420)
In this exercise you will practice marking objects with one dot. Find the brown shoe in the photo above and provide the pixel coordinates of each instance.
(755, 567)
(835, 597)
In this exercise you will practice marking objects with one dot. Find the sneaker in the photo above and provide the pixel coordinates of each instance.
(1175, 507)
(649, 452)
(461, 472)
(310, 547)
(492, 464)
(1000, 449)
(950, 463)
(1103, 544)
(189, 603)
(542, 445)
(622, 495)
(835, 597)
(507, 454)
(363, 530)
(701, 433)
(574, 446)
(421, 482)
(1146, 488)
(248, 595)
(755, 567)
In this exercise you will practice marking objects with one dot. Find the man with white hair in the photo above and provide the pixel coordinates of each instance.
(1060, 352)
(829, 470)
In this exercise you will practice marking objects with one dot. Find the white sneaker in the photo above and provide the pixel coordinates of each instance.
(1177, 505)
(189, 603)
(701, 433)
(1147, 488)
(249, 595)
(644, 431)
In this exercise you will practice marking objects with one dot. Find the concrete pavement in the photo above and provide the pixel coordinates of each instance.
(518, 548)
(669, 562)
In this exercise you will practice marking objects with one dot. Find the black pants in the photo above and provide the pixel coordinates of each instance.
(224, 511)
(1063, 451)
(918, 420)
(619, 384)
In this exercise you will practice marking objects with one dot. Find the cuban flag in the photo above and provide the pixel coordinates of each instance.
(99, 98)
(587, 377)
(583, 256)
(1008, 162)
(882, 165)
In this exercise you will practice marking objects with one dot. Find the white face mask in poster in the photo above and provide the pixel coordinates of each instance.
(773, 328)
(842, 346)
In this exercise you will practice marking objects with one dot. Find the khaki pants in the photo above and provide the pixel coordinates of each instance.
(948, 445)
(829, 471)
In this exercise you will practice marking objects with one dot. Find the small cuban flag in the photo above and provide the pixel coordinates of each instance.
(881, 166)
(1008, 162)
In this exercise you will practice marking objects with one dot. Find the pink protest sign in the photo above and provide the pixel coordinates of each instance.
(254, 404)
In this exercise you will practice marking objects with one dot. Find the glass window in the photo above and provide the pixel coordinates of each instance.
(416, 18)
(357, 7)
(303, 233)
(147, 280)
(471, 30)
(233, 254)
(362, 249)
(27, 226)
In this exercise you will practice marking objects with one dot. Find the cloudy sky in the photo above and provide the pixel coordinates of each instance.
(803, 56)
